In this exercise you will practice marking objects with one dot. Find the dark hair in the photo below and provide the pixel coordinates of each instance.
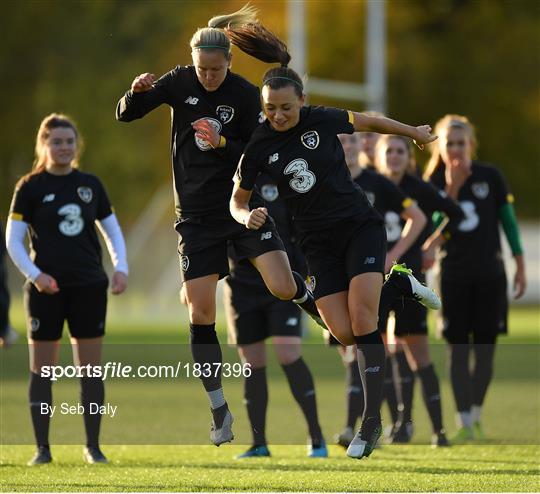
(257, 41)
(50, 122)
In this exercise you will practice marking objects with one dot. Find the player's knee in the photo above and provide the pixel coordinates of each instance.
(200, 314)
(283, 289)
(363, 320)
(343, 335)
(287, 354)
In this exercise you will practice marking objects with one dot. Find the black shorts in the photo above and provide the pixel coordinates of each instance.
(203, 244)
(250, 325)
(84, 308)
(410, 317)
(479, 308)
(350, 247)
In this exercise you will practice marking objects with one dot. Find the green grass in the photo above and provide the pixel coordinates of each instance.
(167, 413)
(205, 468)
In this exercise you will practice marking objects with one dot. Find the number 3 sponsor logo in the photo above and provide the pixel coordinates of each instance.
(72, 224)
(471, 220)
(393, 226)
(303, 179)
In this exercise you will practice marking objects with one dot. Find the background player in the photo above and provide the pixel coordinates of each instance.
(8, 335)
(253, 315)
(473, 279)
(58, 205)
(392, 204)
(394, 158)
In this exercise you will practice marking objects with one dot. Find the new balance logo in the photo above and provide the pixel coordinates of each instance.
(48, 198)
(266, 235)
(191, 100)
(369, 260)
(273, 158)
(373, 370)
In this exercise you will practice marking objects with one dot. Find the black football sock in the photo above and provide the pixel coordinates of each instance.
(256, 401)
(371, 363)
(354, 395)
(303, 297)
(40, 394)
(484, 355)
(390, 394)
(303, 390)
(406, 385)
(460, 376)
(92, 397)
(206, 350)
(432, 395)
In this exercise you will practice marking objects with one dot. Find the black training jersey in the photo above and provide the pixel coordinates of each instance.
(473, 250)
(429, 200)
(202, 175)
(243, 272)
(61, 211)
(387, 198)
(308, 165)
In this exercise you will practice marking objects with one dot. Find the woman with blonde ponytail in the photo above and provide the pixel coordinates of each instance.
(214, 113)
(473, 279)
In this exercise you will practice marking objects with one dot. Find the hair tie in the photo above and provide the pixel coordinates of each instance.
(265, 82)
(202, 47)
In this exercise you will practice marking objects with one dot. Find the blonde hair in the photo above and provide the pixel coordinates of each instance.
(383, 141)
(50, 122)
(215, 37)
(447, 122)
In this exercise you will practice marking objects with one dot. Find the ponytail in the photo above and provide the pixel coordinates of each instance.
(257, 41)
(214, 36)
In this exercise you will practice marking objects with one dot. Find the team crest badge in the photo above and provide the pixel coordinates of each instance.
(269, 192)
(311, 283)
(184, 263)
(85, 193)
(225, 113)
(310, 139)
(480, 189)
(34, 324)
(203, 144)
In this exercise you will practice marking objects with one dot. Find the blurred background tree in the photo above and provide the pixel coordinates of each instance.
(480, 58)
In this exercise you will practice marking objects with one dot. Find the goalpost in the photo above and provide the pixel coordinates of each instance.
(373, 91)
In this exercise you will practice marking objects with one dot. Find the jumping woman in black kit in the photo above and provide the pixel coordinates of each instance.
(340, 233)
(214, 113)
(58, 205)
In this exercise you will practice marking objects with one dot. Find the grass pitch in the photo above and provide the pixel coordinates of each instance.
(155, 416)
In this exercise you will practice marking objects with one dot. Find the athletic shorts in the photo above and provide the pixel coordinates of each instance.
(479, 308)
(203, 244)
(350, 247)
(410, 317)
(273, 318)
(83, 307)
